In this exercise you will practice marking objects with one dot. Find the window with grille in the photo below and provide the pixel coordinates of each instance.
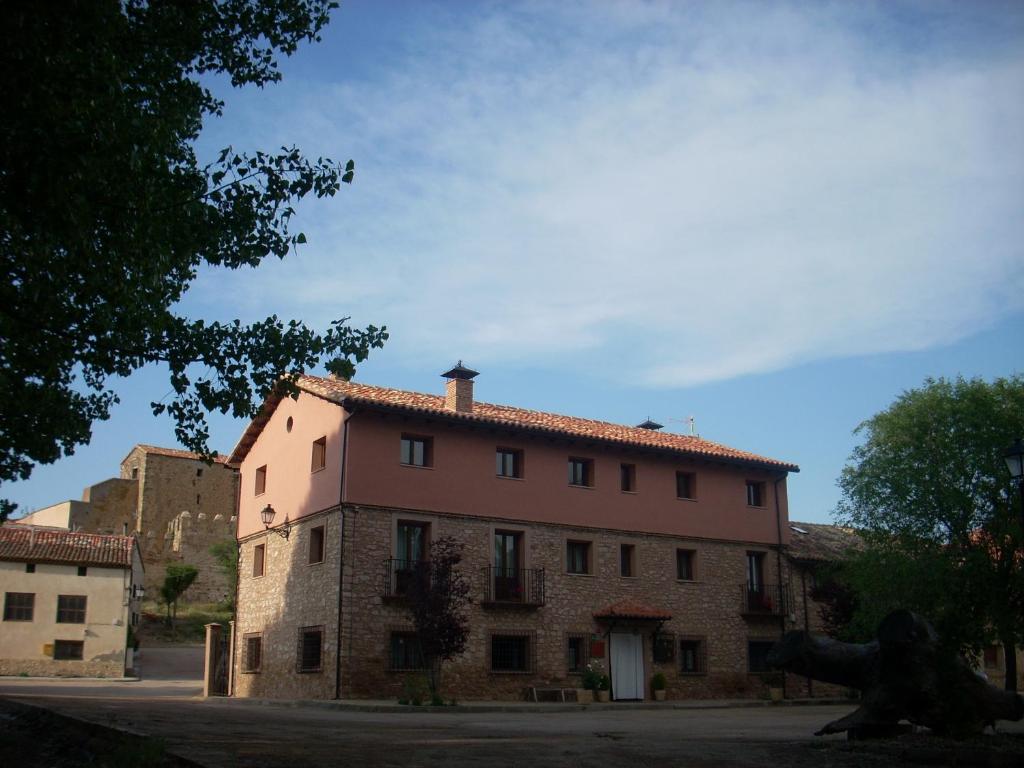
(755, 494)
(404, 653)
(311, 641)
(577, 556)
(581, 472)
(509, 462)
(68, 650)
(691, 655)
(576, 653)
(319, 459)
(19, 606)
(316, 544)
(417, 451)
(71, 609)
(685, 561)
(686, 485)
(664, 648)
(511, 653)
(627, 474)
(252, 658)
(259, 555)
(261, 480)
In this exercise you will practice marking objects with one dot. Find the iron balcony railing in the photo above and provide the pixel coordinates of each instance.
(398, 575)
(513, 586)
(764, 599)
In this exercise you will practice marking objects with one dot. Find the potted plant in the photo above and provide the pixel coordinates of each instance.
(604, 689)
(658, 683)
(591, 682)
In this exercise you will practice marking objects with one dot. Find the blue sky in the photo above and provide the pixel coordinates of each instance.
(771, 217)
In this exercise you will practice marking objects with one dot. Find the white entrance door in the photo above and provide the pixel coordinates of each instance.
(627, 666)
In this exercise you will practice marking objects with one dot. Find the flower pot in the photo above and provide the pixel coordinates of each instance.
(604, 696)
(775, 694)
(659, 695)
(584, 696)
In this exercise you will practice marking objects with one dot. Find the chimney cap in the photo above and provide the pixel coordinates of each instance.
(651, 425)
(460, 372)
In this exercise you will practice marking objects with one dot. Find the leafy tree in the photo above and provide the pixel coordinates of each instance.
(226, 555)
(107, 215)
(930, 492)
(177, 580)
(438, 595)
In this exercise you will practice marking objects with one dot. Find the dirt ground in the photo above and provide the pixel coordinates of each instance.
(252, 735)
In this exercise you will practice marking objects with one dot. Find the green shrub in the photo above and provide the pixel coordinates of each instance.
(658, 682)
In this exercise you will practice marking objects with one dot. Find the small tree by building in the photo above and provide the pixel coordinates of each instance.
(177, 580)
(438, 595)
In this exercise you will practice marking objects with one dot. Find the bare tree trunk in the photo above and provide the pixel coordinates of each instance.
(1010, 659)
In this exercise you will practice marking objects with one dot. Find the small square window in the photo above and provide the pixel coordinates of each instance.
(691, 656)
(311, 641)
(627, 560)
(755, 494)
(261, 480)
(686, 485)
(259, 553)
(576, 656)
(581, 472)
(511, 653)
(71, 609)
(68, 650)
(509, 462)
(417, 451)
(319, 459)
(252, 659)
(30, 567)
(664, 648)
(577, 557)
(83, 571)
(316, 545)
(404, 653)
(685, 561)
(19, 606)
(627, 473)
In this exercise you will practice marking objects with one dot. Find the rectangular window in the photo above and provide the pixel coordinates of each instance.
(19, 606)
(576, 653)
(627, 560)
(316, 545)
(628, 474)
(509, 462)
(686, 485)
(755, 494)
(511, 653)
(252, 655)
(581, 472)
(577, 556)
(664, 648)
(71, 609)
(68, 650)
(757, 655)
(261, 480)
(685, 561)
(416, 451)
(259, 553)
(319, 459)
(83, 571)
(755, 572)
(691, 655)
(30, 567)
(412, 541)
(311, 641)
(404, 654)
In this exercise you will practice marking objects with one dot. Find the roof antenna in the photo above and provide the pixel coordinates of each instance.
(691, 421)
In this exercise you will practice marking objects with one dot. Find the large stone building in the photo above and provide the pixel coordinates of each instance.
(643, 550)
(69, 601)
(177, 505)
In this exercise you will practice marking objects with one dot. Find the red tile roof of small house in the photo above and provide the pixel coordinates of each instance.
(632, 609)
(349, 393)
(36, 544)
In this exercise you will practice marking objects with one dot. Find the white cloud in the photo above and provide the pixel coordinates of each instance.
(706, 191)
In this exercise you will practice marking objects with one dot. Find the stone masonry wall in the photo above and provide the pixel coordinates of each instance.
(51, 668)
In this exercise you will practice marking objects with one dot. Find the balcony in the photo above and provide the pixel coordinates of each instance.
(397, 576)
(764, 600)
(513, 587)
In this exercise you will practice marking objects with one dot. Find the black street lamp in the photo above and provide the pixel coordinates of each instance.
(1014, 458)
(267, 514)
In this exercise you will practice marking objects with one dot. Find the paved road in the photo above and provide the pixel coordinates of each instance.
(221, 732)
(171, 662)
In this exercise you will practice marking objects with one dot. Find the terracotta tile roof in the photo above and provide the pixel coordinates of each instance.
(815, 542)
(30, 543)
(175, 453)
(348, 392)
(632, 609)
